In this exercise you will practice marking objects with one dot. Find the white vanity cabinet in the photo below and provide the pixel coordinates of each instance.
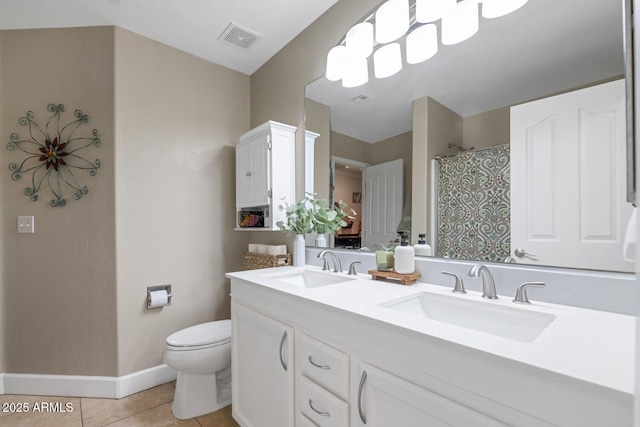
(262, 369)
(265, 172)
(356, 371)
(384, 399)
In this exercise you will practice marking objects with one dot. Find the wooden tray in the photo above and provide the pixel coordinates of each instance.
(404, 279)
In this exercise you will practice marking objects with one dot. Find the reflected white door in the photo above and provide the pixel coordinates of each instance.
(382, 202)
(568, 171)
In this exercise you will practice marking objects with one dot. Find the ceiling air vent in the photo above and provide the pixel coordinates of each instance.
(361, 99)
(239, 37)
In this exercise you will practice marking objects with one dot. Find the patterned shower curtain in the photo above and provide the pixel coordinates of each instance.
(473, 202)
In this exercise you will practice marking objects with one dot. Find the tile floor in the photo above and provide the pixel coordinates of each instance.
(148, 408)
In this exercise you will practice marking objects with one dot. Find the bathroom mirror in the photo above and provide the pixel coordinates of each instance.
(547, 47)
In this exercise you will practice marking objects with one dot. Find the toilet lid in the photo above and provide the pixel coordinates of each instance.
(218, 332)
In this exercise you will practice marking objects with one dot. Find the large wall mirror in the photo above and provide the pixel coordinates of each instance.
(454, 111)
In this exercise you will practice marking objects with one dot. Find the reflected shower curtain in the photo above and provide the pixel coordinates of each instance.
(473, 201)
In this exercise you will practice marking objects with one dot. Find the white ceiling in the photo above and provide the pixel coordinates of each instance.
(192, 26)
(547, 46)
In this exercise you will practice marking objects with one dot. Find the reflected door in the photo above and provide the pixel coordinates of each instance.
(382, 202)
(568, 152)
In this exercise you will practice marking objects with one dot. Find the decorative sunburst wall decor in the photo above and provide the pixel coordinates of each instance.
(53, 155)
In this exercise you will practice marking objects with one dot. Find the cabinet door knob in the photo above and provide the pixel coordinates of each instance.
(360, 411)
(247, 174)
(323, 413)
(284, 337)
(318, 366)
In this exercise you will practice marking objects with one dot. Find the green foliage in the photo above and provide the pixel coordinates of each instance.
(313, 214)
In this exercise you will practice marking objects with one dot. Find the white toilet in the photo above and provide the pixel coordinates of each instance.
(202, 356)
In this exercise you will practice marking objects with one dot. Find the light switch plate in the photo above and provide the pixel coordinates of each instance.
(26, 224)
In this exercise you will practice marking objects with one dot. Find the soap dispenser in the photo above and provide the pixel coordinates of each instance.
(405, 257)
(421, 248)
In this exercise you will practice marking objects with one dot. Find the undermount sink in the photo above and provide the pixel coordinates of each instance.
(514, 323)
(310, 279)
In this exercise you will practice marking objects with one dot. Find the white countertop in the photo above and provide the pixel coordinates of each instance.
(589, 345)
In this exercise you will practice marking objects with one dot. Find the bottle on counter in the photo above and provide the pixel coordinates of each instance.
(421, 248)
(405, 262)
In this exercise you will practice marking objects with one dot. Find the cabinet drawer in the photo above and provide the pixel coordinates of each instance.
(322, 407)
(304, 421)
(325, 365)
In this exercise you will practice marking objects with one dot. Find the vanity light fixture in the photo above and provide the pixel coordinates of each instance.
(387, 60)
(461, 23)
(497, 8)
(422, 43)
(432, 10)
(359, 40)
(414, 18)
(392, 20)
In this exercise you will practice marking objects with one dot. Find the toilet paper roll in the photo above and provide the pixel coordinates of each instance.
(253, 248)
(262, 249)
(158, 299)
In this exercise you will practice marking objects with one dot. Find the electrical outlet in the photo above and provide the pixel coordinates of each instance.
(26, 224)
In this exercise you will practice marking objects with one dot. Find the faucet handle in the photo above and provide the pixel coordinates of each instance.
(521, 293)
(459, 286)
(325, 264)
(352, 268)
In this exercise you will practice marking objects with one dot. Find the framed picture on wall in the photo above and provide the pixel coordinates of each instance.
(357, 197)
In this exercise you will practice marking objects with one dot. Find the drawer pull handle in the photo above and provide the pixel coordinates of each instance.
(284, 337)
(318, 366)
(324, 414)
(360, 411)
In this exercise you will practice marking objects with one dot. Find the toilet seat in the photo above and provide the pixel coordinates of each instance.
(198, 337)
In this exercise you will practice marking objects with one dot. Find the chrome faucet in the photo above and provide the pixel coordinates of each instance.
(337, 265)
(488, 285)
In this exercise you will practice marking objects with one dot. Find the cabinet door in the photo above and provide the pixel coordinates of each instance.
(262, 370)
(252, 171)
(386, 400)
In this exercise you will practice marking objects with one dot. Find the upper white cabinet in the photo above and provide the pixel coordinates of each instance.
(265, 175)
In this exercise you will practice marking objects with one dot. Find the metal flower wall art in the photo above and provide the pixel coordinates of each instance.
(53, 155)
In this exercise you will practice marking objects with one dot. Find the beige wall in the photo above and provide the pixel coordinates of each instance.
(160, 209)
(59, 284)
(487, 129)
(350, 148)
(277, 88)
(176, 116)
(318, 120)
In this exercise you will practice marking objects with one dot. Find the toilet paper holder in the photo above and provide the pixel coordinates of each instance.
(150, 289)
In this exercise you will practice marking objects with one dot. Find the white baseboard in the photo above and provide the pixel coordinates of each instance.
(86, 386)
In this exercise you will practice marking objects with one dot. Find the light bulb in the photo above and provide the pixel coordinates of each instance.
(392, 20)
(359, 40)
(461, 23)
(432, 10)
(387, 60)
(497, 8)
(356, 72)
(335, 63)
(422, 43)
